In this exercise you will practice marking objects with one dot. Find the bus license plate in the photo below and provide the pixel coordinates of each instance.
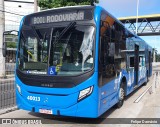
(45, 111)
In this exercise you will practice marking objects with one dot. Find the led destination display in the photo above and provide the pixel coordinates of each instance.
(58, 18)
(54, 16)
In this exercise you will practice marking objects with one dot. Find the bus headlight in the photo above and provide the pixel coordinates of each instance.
(84, 93)
(19, 89)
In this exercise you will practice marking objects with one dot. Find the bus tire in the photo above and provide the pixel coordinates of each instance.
(121, 95)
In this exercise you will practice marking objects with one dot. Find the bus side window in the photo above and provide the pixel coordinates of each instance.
(131, 61)
(107, 52)
(141, 61)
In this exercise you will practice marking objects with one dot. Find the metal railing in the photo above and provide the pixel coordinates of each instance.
(10, 62)
(7, 84)
(7, 93)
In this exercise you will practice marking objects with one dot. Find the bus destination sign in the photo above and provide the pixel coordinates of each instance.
(58, 16)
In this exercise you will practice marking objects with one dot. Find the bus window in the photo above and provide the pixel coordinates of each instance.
(70, 54)
(141, 61)
(107, 56)
(113, 41)
(131, 61)
(107, 53)
(32, 49)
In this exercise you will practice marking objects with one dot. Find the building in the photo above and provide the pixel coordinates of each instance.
(14, 11)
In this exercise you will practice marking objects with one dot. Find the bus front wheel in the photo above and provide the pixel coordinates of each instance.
(121, 95)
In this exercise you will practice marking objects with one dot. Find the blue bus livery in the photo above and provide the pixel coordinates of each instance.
(78, 61)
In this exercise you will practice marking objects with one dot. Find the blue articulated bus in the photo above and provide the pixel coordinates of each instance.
(78, 61)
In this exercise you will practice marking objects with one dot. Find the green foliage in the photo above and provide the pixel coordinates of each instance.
(11, 45)
(85, 3)
(158, 58)
(71, 4)
(45, 4)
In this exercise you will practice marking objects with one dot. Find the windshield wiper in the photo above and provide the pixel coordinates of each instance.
(58, 37)
(71, 25)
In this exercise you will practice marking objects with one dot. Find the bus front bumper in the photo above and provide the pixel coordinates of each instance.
(87, 107)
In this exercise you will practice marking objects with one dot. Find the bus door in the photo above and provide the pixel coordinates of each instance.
(136, 64)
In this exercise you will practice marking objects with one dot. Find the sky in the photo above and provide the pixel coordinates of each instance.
(125, 8)
(122, 8)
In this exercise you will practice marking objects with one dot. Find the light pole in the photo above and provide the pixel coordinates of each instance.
(35, 6)
(2, 27)
(137, 16)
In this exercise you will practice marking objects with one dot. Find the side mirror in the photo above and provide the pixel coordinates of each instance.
(5, 35)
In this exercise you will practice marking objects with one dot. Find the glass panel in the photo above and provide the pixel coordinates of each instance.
(132, 62)
(69, 52)
(33, 52)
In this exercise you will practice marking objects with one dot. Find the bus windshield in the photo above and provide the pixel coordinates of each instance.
(66, 51)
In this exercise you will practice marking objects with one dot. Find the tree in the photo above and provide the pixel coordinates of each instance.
(45, 4)
(158, 58)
